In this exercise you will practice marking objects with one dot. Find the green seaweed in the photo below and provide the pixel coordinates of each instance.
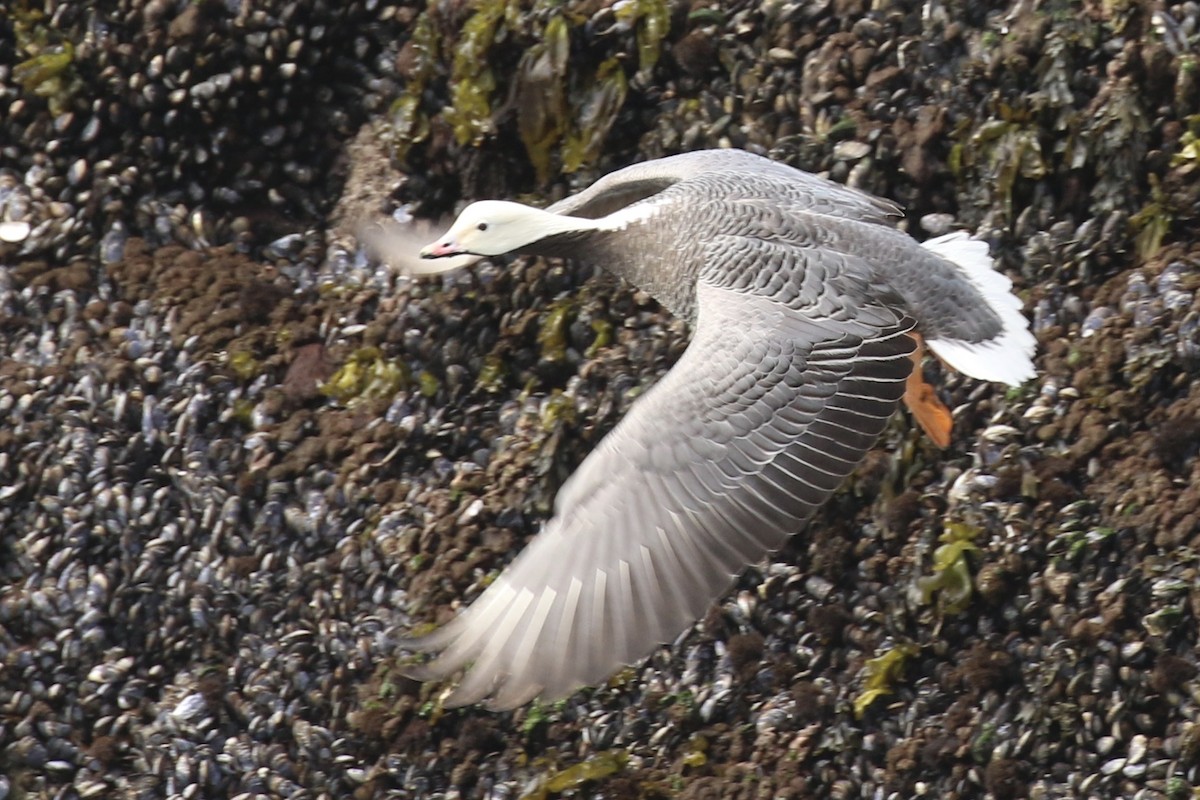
(1152, 222)
(597, 112)
(48, 71)
(984, 743)
(244, 364)
(541, 95)
(706, 15)
(696, 755)
(492, 374)
(552, 332)
(1188, 156)
(1185, 79)
(243, 411)
(535, 717)
(409, 123)
(1011, 149)
(603, 330)
(472, 80)
(880, 674)
(951, 578)
(1075, 544)
(598, 766)
(43, 68)
(1178, 788)
(428, 383)
(366, 375)
(556, 410)
(653, 20)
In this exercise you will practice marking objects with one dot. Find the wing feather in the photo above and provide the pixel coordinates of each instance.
(712, 469)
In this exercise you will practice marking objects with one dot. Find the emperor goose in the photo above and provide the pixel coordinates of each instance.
(808, 309)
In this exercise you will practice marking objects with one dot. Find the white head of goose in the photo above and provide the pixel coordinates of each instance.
(808, 309)
(496, 227)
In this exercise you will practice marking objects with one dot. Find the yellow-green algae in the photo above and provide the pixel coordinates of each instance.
(598, 766)
(243, 411)
(696, 755)
(34, 73)
(564, 108)
(653, 20)
(951, 578)
(552, 332)
(1189, 144)
(596, 116)
(244, 364)
(558, 408)
(409, 124)
(48, 71)
(366, 375)
(880, 674)
(1008, 148)
(492, 374)
(1152, 222)
(472, 81)
(603, 330)
(541, 95)
(428, 383)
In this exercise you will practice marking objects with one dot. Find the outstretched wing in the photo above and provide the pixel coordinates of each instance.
(716, 466)
(734, 173)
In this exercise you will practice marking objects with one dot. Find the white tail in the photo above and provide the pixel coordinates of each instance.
(1007, 358)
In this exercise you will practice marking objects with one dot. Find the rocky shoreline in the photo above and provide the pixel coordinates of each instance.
(238, 455)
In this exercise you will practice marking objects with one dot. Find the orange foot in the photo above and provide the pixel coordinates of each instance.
(923, 402)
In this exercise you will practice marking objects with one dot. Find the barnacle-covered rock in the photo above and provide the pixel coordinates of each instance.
(205, 559)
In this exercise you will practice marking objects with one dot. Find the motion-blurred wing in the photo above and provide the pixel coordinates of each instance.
(716, 466)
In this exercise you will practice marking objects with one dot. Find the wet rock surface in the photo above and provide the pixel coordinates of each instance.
(238, 456)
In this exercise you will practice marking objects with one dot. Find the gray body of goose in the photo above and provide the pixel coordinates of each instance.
(806, 307)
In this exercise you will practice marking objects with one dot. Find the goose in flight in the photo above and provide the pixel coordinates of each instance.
(808, 309)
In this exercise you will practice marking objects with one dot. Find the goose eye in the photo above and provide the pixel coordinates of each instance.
(482, 226)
